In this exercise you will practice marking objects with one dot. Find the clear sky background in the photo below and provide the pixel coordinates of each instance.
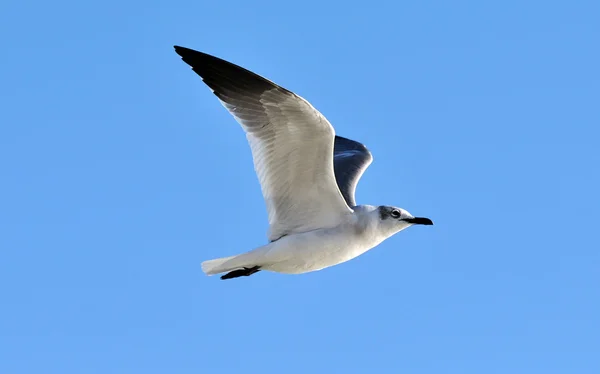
(118, 168)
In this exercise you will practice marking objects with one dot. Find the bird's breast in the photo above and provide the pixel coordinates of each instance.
(318, 249)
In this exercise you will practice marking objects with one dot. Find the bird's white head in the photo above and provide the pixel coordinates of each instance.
(393, 220)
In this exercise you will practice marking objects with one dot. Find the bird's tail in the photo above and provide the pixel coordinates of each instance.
(216, 266)
(244, 260)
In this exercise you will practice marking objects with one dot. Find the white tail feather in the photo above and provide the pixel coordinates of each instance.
(212, 267)
(221, 265)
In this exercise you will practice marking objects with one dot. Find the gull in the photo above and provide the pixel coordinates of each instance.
(308, 177)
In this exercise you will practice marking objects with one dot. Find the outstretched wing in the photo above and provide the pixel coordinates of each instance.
(351, 159)
(291, 142)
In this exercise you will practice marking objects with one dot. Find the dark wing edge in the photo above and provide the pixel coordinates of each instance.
(350, 160)
(227, 80)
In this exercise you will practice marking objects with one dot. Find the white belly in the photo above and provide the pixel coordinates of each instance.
(315, 250)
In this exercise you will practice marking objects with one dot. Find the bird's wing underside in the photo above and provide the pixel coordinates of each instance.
(292, 145)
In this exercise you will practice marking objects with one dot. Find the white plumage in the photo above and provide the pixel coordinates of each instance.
(307, 174)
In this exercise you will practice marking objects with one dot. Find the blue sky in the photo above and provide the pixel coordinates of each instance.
(118, 164)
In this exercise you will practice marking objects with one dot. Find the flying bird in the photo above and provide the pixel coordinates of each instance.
(308, 176)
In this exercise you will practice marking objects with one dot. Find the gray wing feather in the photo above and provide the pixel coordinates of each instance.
(350, 159)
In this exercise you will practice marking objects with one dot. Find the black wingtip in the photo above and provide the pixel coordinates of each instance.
(186, 52)
(198, 60)
(182, 50)
(223, 76)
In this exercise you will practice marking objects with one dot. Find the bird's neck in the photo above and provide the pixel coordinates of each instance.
(369, 225)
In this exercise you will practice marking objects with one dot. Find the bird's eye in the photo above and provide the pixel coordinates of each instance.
(395, 213)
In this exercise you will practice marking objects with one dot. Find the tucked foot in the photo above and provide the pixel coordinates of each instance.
(245, 272)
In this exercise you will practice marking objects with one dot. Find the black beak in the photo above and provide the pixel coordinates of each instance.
(419, 221)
